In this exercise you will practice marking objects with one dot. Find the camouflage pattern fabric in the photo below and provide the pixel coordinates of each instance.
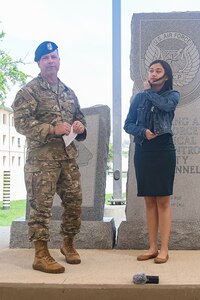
(36, 107)
(50, 166)
(42, 180)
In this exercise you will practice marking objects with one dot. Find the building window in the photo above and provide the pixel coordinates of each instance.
(12, 121)
(4, 118)
(4, 139)
(4, 160)
(18, 142)
(13, 160)
(13, 140)
(19, 161)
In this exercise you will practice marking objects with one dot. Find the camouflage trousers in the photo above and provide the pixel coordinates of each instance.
(43, 179)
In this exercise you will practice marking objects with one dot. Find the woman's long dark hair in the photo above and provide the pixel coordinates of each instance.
(168, 71)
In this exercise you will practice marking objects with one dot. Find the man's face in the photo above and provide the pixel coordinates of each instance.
(49, 63)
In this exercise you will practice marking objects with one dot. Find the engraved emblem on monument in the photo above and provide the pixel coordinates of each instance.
(84, 155)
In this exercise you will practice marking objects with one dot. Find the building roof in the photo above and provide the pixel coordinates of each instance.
(6, 108)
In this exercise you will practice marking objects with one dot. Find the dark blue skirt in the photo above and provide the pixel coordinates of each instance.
(155, 163)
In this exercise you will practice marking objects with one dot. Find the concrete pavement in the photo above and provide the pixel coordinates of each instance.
(101, 267)
(103, 274)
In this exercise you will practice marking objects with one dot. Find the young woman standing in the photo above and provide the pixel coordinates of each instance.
(149, 120)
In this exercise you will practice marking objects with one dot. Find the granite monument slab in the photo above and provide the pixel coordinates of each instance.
(173, 37)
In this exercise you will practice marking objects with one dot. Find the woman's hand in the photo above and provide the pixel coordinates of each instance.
(150, 135)
(147, 84)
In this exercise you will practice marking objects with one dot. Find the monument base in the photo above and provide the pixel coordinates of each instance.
(93, 235)
(134, 235)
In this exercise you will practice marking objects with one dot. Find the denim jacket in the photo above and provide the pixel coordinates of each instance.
(151, 107)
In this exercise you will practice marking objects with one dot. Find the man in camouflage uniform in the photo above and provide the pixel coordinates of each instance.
(45, 110)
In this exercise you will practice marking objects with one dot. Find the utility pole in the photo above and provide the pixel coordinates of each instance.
(116, 102)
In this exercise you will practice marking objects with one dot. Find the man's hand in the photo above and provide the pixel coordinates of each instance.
(62, 128)
(78, 127)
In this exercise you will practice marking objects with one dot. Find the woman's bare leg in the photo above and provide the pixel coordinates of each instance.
(164, 217)
(152, 223)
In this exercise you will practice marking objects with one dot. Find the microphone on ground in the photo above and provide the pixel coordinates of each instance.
(141, 278)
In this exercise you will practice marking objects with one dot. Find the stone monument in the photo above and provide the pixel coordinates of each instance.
(96, 232)
(173, 37)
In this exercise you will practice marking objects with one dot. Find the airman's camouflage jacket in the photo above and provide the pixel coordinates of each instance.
(36, 107)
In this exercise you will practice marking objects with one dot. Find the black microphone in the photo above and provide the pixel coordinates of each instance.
(141, 278)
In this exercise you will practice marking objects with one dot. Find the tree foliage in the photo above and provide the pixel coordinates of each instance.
(10, 73)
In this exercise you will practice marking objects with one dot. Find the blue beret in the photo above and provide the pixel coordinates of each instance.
(44, 48)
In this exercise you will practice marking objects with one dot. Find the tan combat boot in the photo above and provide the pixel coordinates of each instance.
(43, 260)
(70, 253)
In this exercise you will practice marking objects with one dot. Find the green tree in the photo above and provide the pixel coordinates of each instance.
(9, 73)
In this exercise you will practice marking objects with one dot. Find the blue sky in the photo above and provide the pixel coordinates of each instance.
(82, 29)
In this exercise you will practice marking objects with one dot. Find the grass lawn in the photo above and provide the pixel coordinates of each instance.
(18, 210)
